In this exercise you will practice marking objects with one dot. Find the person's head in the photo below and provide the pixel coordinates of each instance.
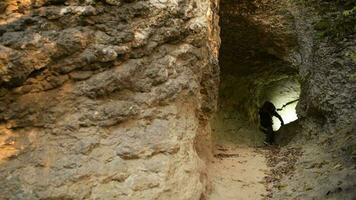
(268, 107)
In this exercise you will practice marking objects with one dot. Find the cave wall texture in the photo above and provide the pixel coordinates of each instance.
(326, 129)
(326, 60)
(258, 46)
(264, 41)
(106, 99)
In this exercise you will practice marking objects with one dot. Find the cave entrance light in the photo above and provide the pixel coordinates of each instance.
(284, 94)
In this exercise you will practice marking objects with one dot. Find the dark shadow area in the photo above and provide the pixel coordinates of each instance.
(286, 133)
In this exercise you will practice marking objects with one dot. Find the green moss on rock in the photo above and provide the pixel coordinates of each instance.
(322, 25)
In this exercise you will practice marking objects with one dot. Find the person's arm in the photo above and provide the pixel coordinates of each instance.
(279, 117)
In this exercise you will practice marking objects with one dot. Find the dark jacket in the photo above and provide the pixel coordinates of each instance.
(267, 111)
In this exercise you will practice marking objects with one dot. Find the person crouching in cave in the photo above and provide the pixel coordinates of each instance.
(267, 111)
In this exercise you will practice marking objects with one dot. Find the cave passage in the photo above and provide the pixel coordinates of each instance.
(253, 68)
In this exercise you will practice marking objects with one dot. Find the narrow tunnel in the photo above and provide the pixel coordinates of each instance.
(267, 54)
(254, 68)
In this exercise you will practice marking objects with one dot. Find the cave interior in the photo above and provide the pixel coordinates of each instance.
(254, 68)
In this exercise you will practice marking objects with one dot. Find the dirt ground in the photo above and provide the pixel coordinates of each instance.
(306, 168)
(238, 173)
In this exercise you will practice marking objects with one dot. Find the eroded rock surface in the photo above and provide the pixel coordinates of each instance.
(105, 99)
(326, 167)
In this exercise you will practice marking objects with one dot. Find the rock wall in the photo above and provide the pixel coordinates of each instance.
(326, 64)
(106, 99)
(326, 128)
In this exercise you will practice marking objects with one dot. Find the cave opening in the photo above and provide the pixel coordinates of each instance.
(255, 67)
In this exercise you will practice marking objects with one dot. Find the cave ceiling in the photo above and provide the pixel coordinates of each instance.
(255, 36)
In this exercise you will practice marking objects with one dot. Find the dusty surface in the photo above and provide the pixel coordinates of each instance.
(237, 173)
(314, 165)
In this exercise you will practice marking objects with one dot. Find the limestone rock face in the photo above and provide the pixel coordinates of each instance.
(106, 99)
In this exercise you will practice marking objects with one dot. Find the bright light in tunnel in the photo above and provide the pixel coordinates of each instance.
(284, 94)
(288, 115)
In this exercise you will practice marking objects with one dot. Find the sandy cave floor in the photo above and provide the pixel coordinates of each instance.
(238, 173)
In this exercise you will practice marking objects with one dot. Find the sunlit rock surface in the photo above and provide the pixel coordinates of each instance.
(106, 99)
